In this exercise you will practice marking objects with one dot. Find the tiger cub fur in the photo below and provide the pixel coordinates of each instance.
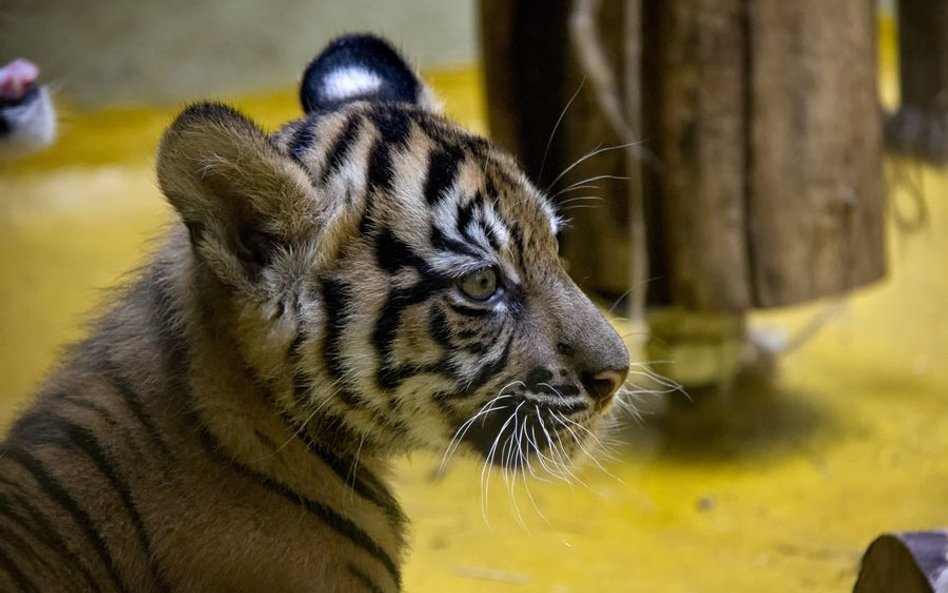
(358, 285)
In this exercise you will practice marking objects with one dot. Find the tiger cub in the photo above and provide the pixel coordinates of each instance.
(356, 286)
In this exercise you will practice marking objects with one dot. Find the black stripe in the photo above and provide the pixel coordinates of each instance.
(301, 387)
(338, 523)
(351, 399)
(442, 242)
(367, 221)
(93, 407)
(438, 327)
(394, 128)
(296, 345)
(455, 417)
(364, 579)
(353, 474)
(107, 417)
(392, 254)
(393, 123)
(340, 148)
(490, 233)
(134, 404)
(281, 310)
(490, 187)
(74, 436)
(21, 546)
(390, 377)
(444, 162)
(41, 528)
(433, 126)
(489, 370)
(517, 234)
(494, 335)
(335, 300)
(301, 141)
(22, 582)
(55, 490)
(333, 429)
(381, 175)
(470, 311)
(479, 146)
(383, 337)
(85, 440)
(465, 213)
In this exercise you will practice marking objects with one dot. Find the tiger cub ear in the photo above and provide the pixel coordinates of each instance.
(362, 67)
(240, 197)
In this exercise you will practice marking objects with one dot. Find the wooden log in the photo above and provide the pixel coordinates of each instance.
(531, 76)
(815, 190)
(914, 562)
(699, 86)
(920, 126)
(596, 246)
(764, 121)
(525, 51)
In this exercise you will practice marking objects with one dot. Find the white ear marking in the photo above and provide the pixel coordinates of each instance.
(350, 81)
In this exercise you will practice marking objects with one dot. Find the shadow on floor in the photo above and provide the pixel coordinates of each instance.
(750, 421)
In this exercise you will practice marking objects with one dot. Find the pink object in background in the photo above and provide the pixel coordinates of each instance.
(27, 117)
(16, 78)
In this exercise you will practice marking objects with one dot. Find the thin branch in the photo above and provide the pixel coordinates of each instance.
(626, 124)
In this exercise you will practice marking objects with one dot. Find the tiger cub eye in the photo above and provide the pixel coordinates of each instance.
(480, 285)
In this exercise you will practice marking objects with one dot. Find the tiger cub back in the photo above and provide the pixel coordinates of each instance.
(361, 284)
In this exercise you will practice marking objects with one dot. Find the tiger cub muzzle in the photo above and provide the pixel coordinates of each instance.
(565, 371)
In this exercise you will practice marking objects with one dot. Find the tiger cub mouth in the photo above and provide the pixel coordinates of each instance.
(545, 417)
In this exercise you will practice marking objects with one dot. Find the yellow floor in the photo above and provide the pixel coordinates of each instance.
(783, 497)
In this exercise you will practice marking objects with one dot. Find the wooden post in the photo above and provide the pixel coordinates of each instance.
(526, 56)
(763, 169)
(815, 200)
(699, 130)
(764, 121)
(905, 563)
(920, 126)
(531, 76)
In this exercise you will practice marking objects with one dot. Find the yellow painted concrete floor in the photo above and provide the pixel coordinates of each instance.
(782, 496)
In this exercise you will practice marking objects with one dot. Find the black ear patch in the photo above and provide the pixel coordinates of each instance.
(358, 68)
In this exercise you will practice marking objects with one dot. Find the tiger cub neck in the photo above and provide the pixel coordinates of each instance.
(237, 387)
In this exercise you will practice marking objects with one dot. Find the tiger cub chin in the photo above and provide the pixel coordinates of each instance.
(356, 286)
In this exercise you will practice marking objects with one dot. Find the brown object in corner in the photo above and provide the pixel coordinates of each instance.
(913, 562)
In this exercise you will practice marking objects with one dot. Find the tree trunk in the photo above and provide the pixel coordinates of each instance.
(765, 185)
(699, 130)
(532, 75)
(815, 200)
(920, 126)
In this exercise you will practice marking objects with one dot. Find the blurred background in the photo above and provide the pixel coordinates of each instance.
(773, 243)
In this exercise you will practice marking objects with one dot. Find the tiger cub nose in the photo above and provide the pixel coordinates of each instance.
(603, 385)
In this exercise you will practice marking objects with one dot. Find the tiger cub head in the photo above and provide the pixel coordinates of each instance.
(392, 278)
